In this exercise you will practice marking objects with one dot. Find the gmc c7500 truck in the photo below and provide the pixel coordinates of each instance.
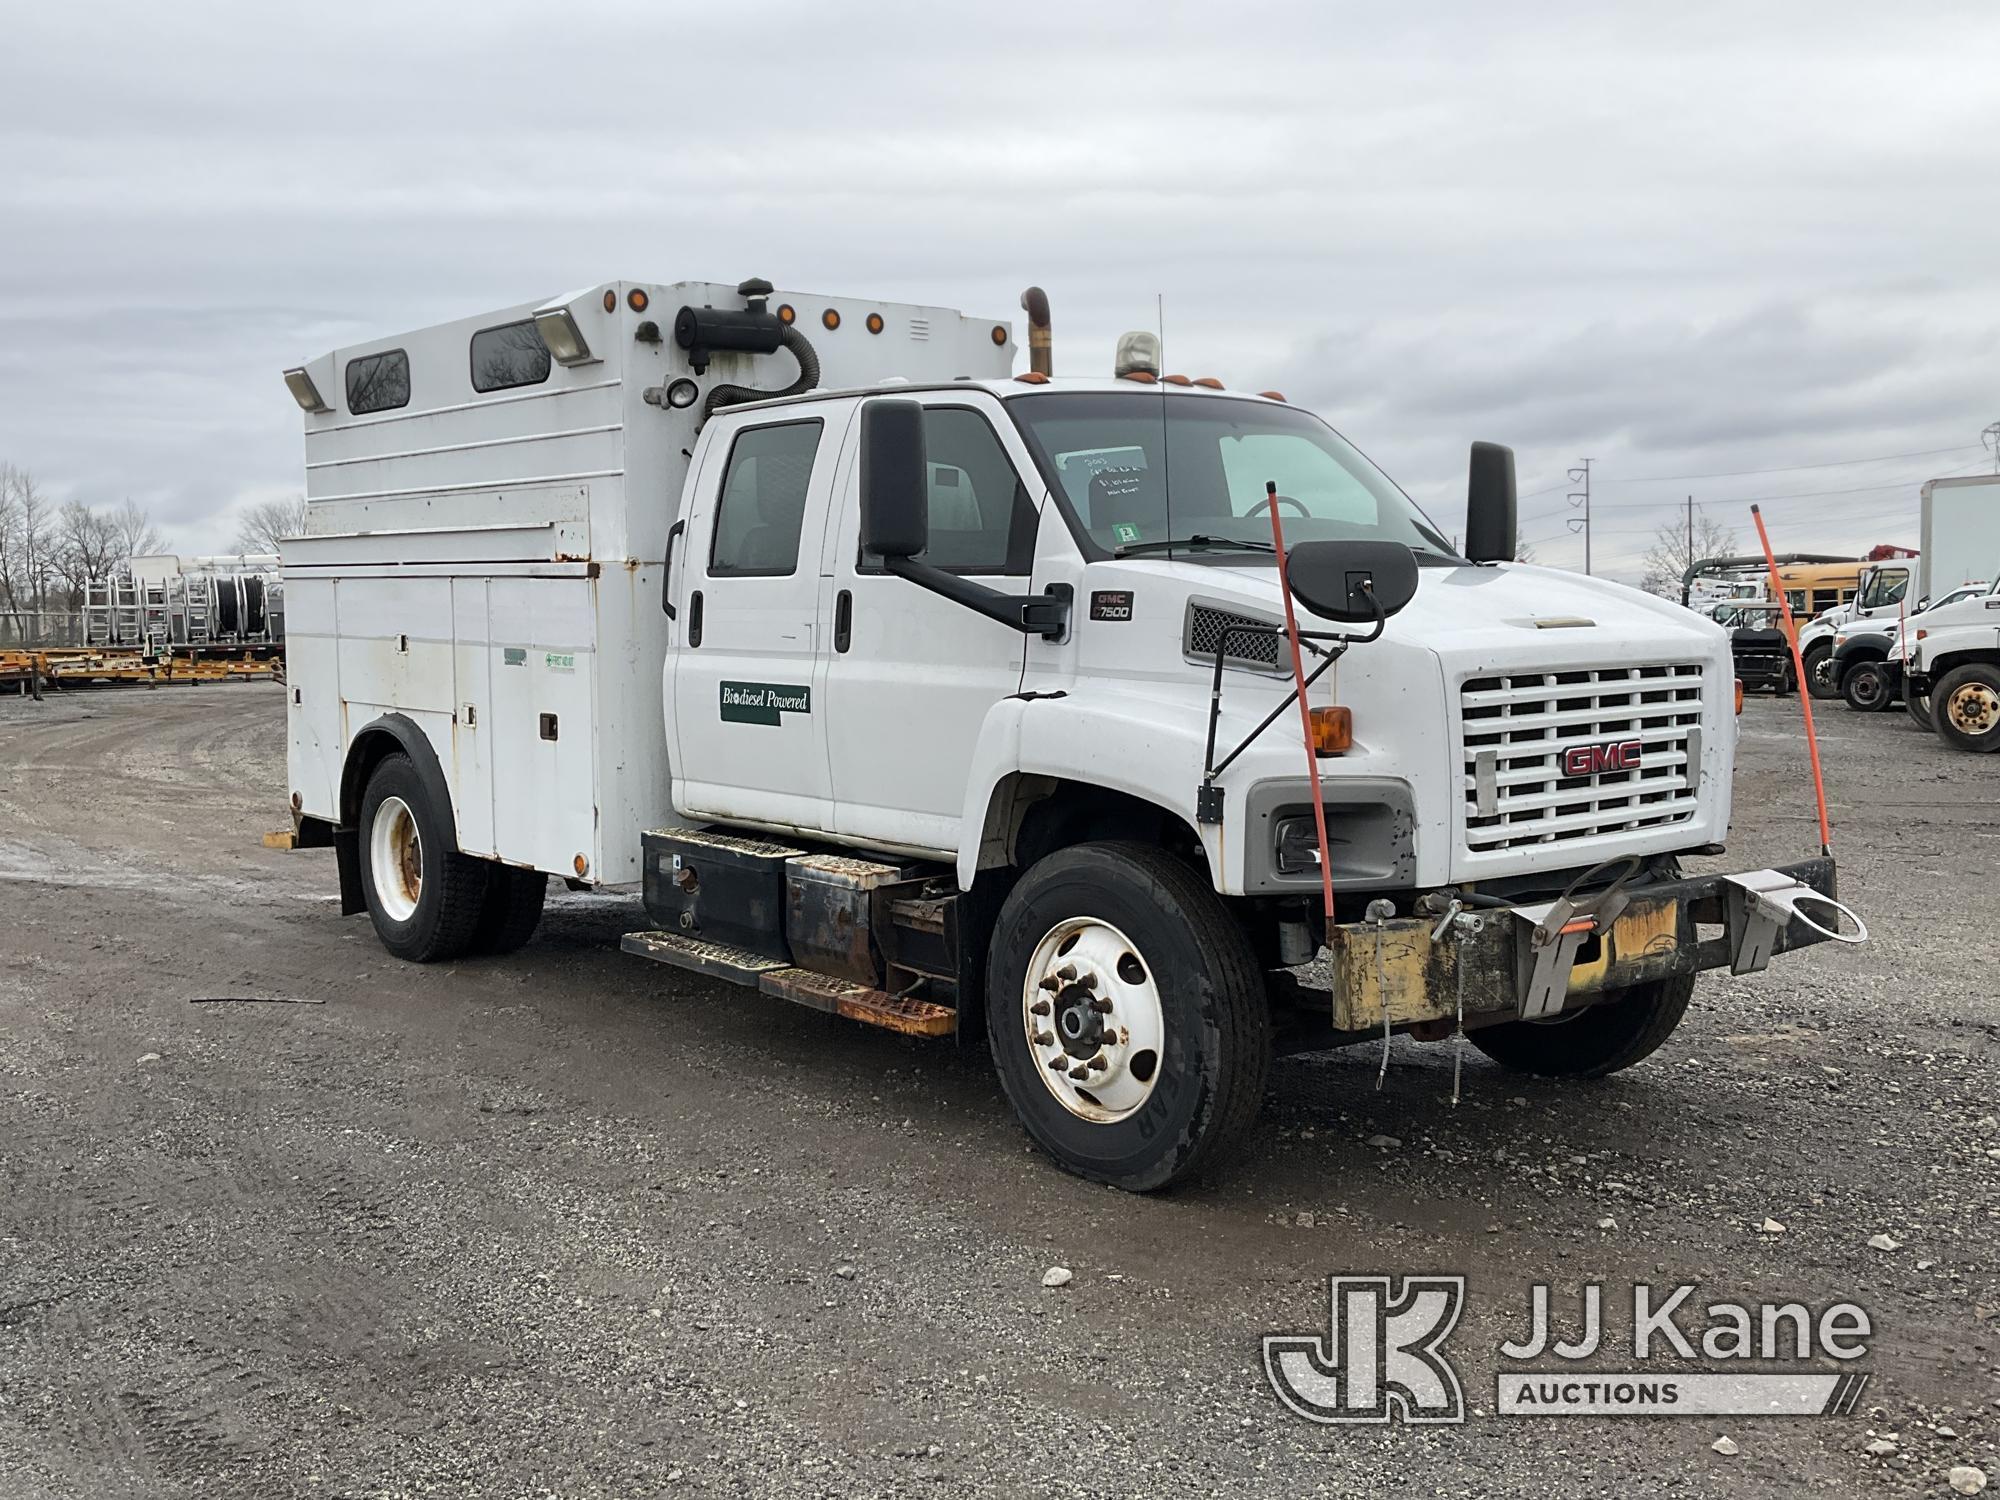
(955, 700)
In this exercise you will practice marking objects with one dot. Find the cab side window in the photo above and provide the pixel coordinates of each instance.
(763, 502)
(981, 520)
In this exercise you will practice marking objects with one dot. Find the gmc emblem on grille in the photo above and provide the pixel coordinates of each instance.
(1588, 760)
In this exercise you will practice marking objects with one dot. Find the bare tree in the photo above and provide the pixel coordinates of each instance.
(29, 522)
(1676, 547)
(263, 525)
(137, 536)
(84, 548)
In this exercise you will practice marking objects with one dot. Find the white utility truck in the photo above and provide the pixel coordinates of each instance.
(1951, 669)
(951, 699)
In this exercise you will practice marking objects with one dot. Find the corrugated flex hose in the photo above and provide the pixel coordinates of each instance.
(735, 395)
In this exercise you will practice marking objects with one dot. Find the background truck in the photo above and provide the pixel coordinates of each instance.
(954, 700)
(1951, 669)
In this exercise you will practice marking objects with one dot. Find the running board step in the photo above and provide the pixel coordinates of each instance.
(840, 997)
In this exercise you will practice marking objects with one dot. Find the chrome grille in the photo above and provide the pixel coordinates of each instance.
(1518, 726)
(1203, 633)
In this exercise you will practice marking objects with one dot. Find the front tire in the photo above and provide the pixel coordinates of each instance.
(1865, 687)
(1918, 706)
(424, 898)
(1822, 679)
(1966, 706)
(1603, 1038)
(1127, 1015)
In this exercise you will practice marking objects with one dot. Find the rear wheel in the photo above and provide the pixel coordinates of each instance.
(1127, 1015)
(1822, 680)
(1966, 706)
(1866, 687)
(512, 911)
(424, 899)
(1603, 1038)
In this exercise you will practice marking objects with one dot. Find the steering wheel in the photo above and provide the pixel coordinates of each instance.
(1265, 502)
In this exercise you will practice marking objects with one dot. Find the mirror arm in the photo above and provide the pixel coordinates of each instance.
(1045, 615)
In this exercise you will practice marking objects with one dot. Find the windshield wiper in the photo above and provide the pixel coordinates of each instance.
(1197, 542)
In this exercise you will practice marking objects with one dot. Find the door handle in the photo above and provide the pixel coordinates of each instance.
(843, 620)
(667, 571)
(694, 618)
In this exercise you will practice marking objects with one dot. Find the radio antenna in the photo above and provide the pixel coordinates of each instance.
(1166, 458)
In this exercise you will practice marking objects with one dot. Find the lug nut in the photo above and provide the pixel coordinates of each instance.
(1050, 982)
(1043, 1038)
(1067, 973)
(1040, 1008)
(1097, 1064)
(1057, 1064)
(1088, 979)
(1079, 1071)
(1101, 1005)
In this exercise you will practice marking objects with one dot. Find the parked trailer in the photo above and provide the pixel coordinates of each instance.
(944, 699)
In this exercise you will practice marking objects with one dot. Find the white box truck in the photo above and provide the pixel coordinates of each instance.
(955, 700)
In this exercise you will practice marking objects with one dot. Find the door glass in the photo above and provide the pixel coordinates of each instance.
(981, 520)
(763, 502)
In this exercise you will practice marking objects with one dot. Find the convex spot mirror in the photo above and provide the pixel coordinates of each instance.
(1335, 579)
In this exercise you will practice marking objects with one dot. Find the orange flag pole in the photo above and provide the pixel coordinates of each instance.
(1798, 676)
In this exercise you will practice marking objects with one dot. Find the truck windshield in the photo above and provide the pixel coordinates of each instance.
(1138, 471)
(1884, 586)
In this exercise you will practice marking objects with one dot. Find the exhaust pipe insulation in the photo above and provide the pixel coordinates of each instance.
(753, 329)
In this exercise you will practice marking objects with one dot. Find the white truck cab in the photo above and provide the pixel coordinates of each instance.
(1951, 657)
(950, 699)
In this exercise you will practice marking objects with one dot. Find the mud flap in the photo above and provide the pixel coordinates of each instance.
(347, 857)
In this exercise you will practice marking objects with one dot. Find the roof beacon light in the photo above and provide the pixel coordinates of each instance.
(1138, 354)
(565, 340)
(305, 392)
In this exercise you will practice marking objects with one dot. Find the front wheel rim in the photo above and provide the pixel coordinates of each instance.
(396, 859)
(1974, 709)
(1091, 1013)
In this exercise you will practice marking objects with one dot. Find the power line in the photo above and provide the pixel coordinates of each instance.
(1781, 469)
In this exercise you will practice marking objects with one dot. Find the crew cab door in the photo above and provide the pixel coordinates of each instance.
(909, 675)
(748, 730)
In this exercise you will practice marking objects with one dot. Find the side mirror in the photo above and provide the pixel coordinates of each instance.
(1491, 529)
(1334, 579)
(895, 479)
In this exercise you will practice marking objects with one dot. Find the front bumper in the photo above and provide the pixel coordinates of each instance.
(1399, 974)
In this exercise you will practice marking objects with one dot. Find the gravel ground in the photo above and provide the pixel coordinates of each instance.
(570, 1224)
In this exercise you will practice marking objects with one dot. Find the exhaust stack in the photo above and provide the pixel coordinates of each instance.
(1041, 352)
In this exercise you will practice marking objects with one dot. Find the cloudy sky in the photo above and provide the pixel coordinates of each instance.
(1682, 240)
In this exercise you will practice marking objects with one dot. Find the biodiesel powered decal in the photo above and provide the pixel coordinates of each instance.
(763, 702)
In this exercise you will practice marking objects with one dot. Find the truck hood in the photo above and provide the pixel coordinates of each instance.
(1512, 611)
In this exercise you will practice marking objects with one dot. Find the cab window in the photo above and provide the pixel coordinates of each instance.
(981, 520)
(762, 506)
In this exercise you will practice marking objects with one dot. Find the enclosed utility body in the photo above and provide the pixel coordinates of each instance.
(479, 585)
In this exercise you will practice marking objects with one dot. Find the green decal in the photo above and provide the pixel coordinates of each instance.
(763, 702)
(560, 661)
(514, 656)
(1125, 531)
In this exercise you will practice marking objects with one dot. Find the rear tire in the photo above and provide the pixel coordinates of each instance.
(1865, 686)
(1966, 706)
(1821, 681)
(424, 898)
(513, 908)
(1603, 1038)
(1162, 991)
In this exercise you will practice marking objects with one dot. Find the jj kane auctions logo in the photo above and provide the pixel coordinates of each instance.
(1382, 1358)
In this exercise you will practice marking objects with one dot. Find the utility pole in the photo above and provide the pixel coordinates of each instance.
(1991, 438)
(1581, 498)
